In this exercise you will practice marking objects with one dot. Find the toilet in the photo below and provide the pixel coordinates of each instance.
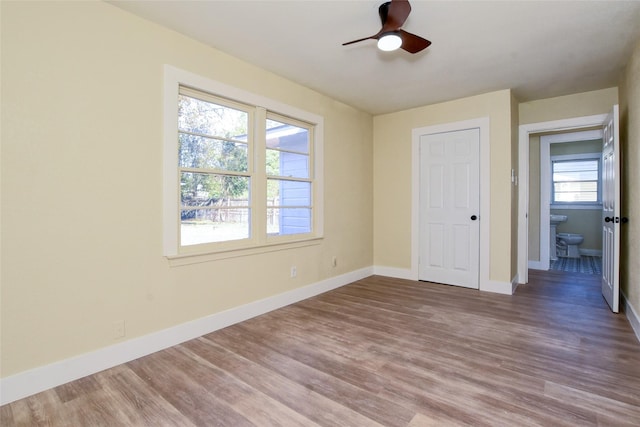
(568, 244)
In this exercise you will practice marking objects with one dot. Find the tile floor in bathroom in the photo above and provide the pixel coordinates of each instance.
(586, 264)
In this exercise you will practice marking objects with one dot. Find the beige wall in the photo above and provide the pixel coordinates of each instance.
(82, 194)
(630, 137)
(392, 177)
(569, 106)
(577, 147)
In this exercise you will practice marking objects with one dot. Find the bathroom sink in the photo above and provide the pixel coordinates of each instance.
(557, 219)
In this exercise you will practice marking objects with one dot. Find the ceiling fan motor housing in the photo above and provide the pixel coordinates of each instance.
(383, 11)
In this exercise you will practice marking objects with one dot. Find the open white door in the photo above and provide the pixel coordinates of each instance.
(611, 211)
(449, 208)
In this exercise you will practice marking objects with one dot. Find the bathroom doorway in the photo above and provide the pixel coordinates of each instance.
(610, 224)
(534, 248)
(569, 173)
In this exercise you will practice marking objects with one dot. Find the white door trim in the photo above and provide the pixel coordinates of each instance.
(485, 180)
(523, 191)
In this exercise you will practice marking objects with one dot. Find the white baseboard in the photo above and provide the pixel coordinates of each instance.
(632, 315)
(490, 286)
(591, 252)
(537, 265)
(45, 377)
(398, 273)
(514, 283)
(494, 286)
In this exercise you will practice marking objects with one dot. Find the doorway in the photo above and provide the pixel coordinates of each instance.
(578, 124)
(570, 191)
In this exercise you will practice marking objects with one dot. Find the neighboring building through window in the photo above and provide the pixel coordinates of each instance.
(289, 181)
(246, 169)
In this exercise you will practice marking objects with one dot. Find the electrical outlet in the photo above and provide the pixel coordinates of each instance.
(118, 329)
(334, 261)
(294, 271)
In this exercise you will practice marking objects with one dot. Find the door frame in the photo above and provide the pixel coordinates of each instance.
(483, 124)
(576, 123)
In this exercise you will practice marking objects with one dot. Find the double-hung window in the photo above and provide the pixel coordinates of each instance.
(576, 181)
(240, 171)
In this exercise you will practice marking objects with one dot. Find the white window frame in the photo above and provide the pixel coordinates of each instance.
(578, 205)
(259, 241)
(283, 178)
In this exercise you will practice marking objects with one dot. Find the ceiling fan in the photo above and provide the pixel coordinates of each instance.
(391, 37)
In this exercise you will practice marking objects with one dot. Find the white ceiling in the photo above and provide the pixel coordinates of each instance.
(539, 49)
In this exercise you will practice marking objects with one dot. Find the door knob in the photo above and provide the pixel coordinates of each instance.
(624, 220)
(608, 219)
(473, 217)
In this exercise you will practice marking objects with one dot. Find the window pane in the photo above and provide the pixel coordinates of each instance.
(201, 189)
(208, 153)
(575, 186)
(576, 197)
(575, 165)
(287, 137)
(282, 192)
(204, 117)
(576, 191)
(282, 163)
(213, 225)
(576, 176)
(282, 221)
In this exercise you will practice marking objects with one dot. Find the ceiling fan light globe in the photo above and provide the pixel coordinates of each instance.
(389, 42)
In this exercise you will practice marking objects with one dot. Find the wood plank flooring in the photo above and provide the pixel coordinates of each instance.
(380, 352)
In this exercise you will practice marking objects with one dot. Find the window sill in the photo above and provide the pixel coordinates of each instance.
(200, 257)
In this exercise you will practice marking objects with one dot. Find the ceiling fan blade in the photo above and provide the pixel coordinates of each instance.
(393, 14)
(396, 13)
(412, 43)
(360, 40)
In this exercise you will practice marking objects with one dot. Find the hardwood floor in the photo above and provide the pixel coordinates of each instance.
(380, 351)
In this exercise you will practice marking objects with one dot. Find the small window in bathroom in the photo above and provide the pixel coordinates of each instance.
(576, 181)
